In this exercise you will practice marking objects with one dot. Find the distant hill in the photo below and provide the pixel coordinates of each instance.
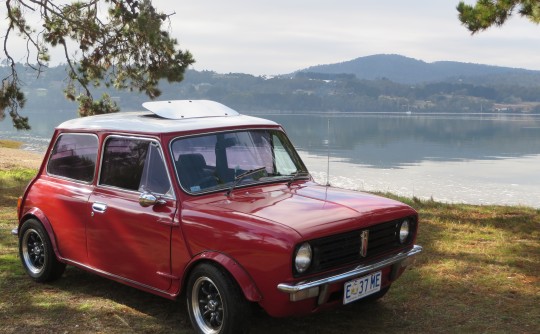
(407, 70)
(384, 83)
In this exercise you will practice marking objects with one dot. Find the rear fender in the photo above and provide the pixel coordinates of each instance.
(39, 215)
(244, 280)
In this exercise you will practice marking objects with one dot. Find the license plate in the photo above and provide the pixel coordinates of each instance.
(361, 287)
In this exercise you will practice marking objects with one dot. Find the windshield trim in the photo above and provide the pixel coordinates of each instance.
(225, 188)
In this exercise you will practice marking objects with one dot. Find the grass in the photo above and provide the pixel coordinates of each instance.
(10, 143)
(16, 178)
(479, 273)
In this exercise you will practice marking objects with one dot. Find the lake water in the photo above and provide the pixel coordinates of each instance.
(477, 159)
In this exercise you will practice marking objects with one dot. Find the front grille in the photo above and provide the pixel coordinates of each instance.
(342, 249)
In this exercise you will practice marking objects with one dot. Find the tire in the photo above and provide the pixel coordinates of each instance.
(215, 303)
(37, 254)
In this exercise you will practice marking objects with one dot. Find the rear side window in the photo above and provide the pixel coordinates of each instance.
(74, 157)
(134, 164)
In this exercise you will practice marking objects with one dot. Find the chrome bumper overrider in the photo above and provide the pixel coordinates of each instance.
(15, 231)
(315, 284)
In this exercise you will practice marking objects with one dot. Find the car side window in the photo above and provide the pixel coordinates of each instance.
(74, 157)
(154, 177)
(134, 164)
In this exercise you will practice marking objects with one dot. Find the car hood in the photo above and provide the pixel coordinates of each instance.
(313, 210)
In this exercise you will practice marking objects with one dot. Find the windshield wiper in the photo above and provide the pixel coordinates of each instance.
(243, 175)
(296, 175)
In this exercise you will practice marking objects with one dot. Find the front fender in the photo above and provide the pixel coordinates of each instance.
(244, 280)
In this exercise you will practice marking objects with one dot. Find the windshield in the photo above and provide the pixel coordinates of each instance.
(214, 161)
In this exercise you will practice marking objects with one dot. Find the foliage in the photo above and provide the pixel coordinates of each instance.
(120, 44)
(486, 13)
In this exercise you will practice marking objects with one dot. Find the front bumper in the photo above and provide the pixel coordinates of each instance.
(319, 286)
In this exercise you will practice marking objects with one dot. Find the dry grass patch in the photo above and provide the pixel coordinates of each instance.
(10, 143)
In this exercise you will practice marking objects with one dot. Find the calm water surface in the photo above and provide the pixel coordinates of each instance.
(477, 159)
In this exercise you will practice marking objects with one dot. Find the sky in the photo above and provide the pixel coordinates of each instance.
(281, 36)
(263, 37)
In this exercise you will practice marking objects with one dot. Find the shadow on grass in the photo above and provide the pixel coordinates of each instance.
(83, 302)
(470, 229)
(479, 269)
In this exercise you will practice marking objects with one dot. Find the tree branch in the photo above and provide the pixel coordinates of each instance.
(127, 47)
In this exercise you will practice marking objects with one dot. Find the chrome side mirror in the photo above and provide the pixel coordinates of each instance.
(148, 199)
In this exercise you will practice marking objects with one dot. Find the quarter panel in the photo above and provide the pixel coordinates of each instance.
(65, 204)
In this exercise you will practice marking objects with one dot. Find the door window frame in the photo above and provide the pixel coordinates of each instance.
(171, 195)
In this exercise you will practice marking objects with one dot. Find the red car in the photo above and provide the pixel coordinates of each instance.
(194, 197)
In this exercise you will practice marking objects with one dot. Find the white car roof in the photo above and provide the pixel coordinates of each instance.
(169, 116)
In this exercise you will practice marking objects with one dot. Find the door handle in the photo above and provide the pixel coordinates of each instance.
(99, 207)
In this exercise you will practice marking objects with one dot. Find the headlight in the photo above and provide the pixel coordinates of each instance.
(302, 260)
(404, 231)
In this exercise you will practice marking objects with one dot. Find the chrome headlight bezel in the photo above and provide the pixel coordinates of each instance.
(303, 257)
(405, 229)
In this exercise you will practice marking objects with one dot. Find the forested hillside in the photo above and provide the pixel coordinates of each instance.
(485, 89)
(406, 70)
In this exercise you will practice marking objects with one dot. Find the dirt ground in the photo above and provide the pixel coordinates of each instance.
(11, 157)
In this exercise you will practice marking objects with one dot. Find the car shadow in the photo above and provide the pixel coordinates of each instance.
(172, 314)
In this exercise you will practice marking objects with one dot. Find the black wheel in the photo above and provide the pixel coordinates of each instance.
(215, 303)
(36, 253)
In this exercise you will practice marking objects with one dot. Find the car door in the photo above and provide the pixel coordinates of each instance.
(125, 238)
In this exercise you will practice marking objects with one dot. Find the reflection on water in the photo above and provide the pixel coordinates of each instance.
(513, 181)
(481, 158)
(393, 141)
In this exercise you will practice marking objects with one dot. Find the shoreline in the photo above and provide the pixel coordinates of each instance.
(19, 158)
(13, 158)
